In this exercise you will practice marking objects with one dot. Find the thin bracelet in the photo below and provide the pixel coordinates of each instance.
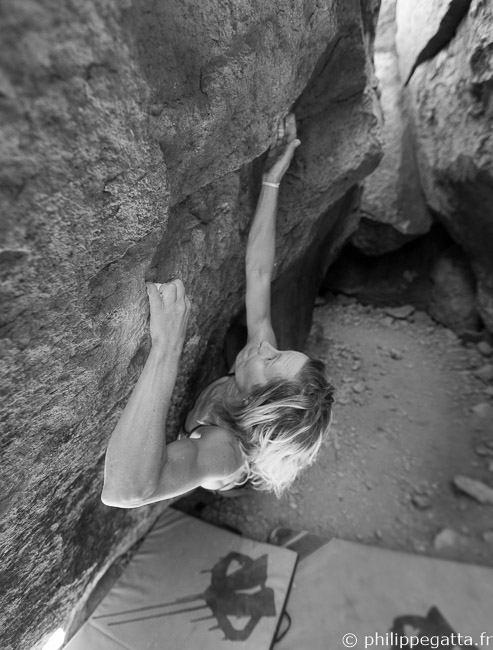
(276, 185)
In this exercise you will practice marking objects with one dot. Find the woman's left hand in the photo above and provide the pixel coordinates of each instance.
(281, 154)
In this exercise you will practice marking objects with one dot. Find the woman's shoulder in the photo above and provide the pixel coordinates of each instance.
(215, 435)
(218, 438)
(217, 442)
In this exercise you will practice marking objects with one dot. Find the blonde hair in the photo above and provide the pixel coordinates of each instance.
(280, 426)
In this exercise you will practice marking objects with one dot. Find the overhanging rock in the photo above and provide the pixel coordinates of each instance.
(131, 135)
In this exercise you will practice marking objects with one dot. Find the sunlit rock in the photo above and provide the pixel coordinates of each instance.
(392, 205)
(451, 103)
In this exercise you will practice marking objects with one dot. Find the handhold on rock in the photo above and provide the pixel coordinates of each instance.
(475, 489)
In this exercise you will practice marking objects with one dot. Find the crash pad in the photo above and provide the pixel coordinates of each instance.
(192, 586)
(349, 595)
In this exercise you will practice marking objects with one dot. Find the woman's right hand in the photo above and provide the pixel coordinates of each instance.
(170, 309)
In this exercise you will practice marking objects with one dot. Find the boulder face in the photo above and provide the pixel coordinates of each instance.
(452, 296)
(393, 205)
(132, 142)
(450, 99)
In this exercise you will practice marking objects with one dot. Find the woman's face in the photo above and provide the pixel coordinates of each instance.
(256, 365)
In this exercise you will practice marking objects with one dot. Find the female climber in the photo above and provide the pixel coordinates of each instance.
(259, 425)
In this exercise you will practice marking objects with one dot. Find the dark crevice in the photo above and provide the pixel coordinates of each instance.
(431, 273)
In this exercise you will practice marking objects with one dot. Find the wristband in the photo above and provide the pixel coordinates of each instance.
(276, 185)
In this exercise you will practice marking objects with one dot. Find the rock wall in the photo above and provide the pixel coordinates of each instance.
(451, 102)
(393, 205)
(132, 141)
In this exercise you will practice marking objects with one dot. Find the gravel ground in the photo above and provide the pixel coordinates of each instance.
(414, 412)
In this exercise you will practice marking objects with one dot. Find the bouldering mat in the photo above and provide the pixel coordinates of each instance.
(344, 594)
(192, 586)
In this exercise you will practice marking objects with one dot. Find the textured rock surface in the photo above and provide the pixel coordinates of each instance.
(452, 299)
(392, 204)
(452, 107)
(131, 133)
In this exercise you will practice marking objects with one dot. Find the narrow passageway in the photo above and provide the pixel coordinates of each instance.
(414, 410)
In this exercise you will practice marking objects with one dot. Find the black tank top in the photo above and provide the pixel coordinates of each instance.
(231, 489)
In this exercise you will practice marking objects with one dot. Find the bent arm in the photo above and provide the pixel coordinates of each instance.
(136, 454)
(140, 468)
(136, 457)
(188, 464)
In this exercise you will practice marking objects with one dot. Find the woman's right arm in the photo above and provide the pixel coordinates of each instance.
(140, 468)
(137, 455)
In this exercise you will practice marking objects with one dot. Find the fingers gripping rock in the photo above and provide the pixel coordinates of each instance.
(153, 292)
(169, 308)
(290, 127)
(180, 288)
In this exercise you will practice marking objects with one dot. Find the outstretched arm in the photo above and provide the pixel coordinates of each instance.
(260, 251)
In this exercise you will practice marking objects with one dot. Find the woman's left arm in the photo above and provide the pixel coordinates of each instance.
(260, 252)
